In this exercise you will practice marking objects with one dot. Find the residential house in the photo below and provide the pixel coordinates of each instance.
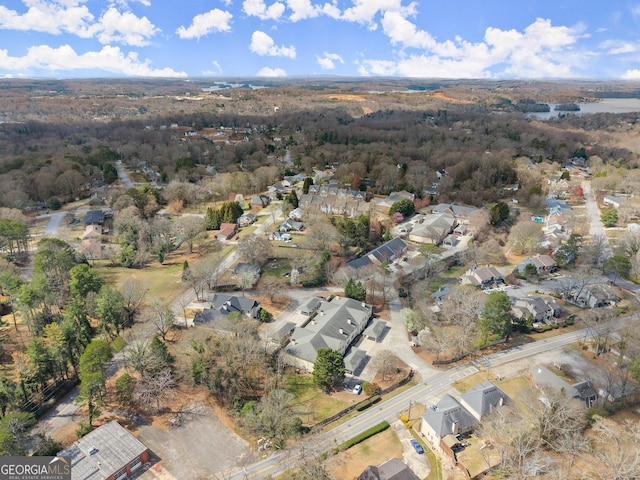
(447, 417)
(460, 230)
(388, 252)
(450, 241)
(220, 306)
(612, 201)
(540, 309)
(383, 204)
(461, 213)
(276, 190)
(483, 277)
(375, 330)
(94, 217)
(584, 392)
(596, 296)
(392, 469)
(553, 203)
(440, 295)
(311, 306)
(227, 231)
(336, 324)
(289, 225)
(93, 230)
(296, 214)
(433, 229)
(109, 452)
(334, 204)
(246, 219)
(260, 201)
(547, 382)
(483, 399)
(544, 264)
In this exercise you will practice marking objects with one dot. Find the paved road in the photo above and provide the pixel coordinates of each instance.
(427, 392)
(55, 219)
(123, 176)
(595, 224)
(64, 414)
(188, 296)
(596, 228)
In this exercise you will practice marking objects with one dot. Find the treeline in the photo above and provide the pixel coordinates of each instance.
(44, 161)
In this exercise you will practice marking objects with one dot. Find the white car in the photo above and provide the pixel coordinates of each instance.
(357, 389)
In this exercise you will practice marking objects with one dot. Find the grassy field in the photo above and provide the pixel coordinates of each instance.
(312, 405)
(373, 451)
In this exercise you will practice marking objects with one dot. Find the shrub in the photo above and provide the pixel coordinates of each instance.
(381, 427)
(83, 429)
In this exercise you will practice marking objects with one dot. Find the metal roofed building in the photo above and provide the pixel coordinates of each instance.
(109, 452)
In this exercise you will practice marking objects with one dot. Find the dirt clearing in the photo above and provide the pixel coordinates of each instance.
(201, 446)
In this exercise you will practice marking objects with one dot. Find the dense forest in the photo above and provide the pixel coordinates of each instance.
(383, 151)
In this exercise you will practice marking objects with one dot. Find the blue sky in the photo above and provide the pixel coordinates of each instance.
(498, 39)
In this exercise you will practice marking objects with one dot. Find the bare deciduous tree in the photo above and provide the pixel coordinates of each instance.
(162, 317)
(525, 236)
(133, 294)
(153, 390)
(254, 250)
(385, 362)
(615, 448)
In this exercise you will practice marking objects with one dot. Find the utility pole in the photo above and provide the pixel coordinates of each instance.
(409, 413)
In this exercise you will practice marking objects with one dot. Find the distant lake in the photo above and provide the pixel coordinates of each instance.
(606, 105)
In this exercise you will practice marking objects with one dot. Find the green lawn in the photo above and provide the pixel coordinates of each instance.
(162, 281)
(311, 404)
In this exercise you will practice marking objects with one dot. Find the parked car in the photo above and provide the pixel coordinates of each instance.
(417, 446)
(357, 389)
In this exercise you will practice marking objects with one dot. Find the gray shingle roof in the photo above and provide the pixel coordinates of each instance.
(449, 412)
(392, 469)
(113, 447)
(324, 330)
(483, 398)
(385, 252)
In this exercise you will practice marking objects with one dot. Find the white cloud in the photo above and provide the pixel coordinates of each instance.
(215, 20)
(302, 9)
(327, 61)
(64, 58)
(618, 47)
(126, 28)
(364, 11)
(631, 75)
(541, 50)
(216, 71)
(125, 3)
(263, 44)
(49, 17)
(272, 72)
(257, 8)
(57, 17)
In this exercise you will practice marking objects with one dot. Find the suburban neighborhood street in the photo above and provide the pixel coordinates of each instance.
(427, 392)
